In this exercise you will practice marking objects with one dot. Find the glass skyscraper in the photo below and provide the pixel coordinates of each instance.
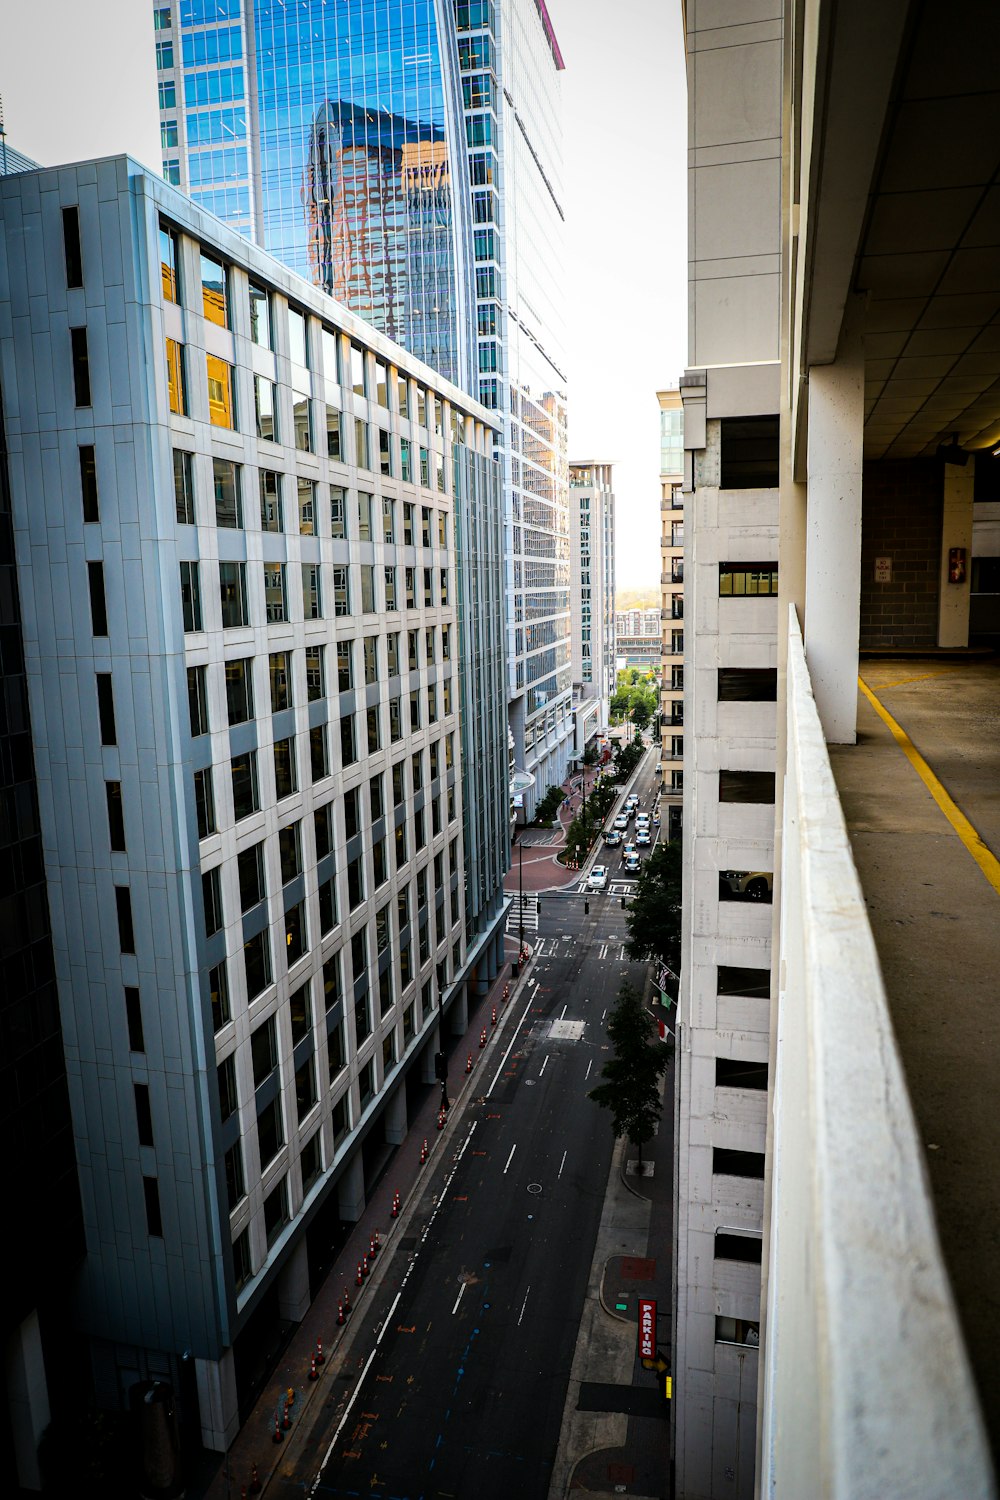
(405, 156)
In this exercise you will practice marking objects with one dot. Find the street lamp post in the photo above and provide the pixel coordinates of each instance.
(516, 966)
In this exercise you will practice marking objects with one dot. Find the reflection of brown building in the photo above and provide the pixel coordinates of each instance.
(379, 211)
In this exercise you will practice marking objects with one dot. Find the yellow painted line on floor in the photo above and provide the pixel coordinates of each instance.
(984, 857)
(902, 681)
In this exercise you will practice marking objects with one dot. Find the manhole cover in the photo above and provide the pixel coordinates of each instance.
(534, 1187)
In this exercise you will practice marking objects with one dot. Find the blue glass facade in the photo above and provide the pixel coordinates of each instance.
(330, 132)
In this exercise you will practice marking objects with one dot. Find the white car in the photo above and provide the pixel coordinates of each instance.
(632, 861)
(642, 820)
(643, 837)
(632, 800)
(597, 880)
(621, 821)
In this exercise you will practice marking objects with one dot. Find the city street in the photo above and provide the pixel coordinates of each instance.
(454, 1379)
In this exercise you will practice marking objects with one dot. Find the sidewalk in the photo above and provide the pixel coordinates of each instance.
(534, 865)
(615, 1436)
(253, 1450)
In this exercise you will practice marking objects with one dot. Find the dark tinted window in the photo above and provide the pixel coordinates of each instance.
(742, 579)
(81, 366)
(746, 786)
(737, 1247)
(740, 1073)
(748, 684)
(738, 1163)
(749, 453)
(71, 241)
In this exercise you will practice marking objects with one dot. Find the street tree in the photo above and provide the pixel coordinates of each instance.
(654, 912)
(631, 1087)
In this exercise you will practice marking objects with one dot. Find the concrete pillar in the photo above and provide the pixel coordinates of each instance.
(351, 1190)
(395, 1116)
(293, 1284)
(217, 1403)
(956, 531)
(480, 979)
(458, 1011)
(833, 531)
(427, 1056)
(27, 1397)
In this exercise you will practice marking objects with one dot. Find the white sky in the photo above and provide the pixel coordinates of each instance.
(93, 93)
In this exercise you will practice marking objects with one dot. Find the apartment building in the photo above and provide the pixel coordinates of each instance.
(672, 605)
(237, 510)
(592, 589)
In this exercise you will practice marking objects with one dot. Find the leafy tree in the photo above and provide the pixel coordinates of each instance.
(631, 1087)
(654, 913)
(627, 757)
(643, 707)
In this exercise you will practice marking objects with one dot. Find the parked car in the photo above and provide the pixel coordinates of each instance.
(643, 837)
(621, 821)
(632, 861)
(597, 880)
(612, 837)
(754, 884)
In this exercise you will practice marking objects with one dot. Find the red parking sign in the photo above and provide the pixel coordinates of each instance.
(647, 1329)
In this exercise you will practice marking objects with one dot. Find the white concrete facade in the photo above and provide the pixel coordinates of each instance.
(592, 582)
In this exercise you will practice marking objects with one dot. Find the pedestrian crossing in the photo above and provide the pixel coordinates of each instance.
(523, 913)
(614, 888)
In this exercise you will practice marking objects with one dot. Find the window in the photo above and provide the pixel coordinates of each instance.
(226, 1075)
(392, 652)
(333, 990)
(359, 371)
(334, 433)
(330, 342)
(98, 600)
(735, 1246)
(297, 349)
(276, 1210)
(290, 852)
(246, 796)
(164, 55)
(384, 451)
(218, 989)
(746, 786)
(348, 740)
(352, 813)
(360, 440)
(204, 802)
(285, 780)
(213, 291)
(233, 595)
(71, 246)
(738, 1163)
(260, 316)
(126, 932)
(312, 603)
(367, 589)
(221, 392)
(405, 469)
(151, 1194)
(748, 578)
(235, 1187)
(239, 690)
(390, 588)
(307, 506)
(386, 1000)
(106, 709)
(327, 906)
(376, 797)
(749, 453)
(133, 1017)
(176, 383)
(345, 665)
(371, 658)
(300, 421)
(168, 263)
(739, 1073)
(250, 867)
(281, 695)
(275, 609)
(311, 1160)
(116, 815)
(211, 890)
(365, 501)
(319, 756)
(197, 701)
(737, 1331)
(748, 684)
(242, 1264)
(315, 673)
(183, 487)
(257, 964)
(323, 830)
(338, 517)
(270, 501)
(88, 482)
(305, 1088)
(296, 942)
(265, 409)
(415, 708)
(373, 729)
(341, 591)
(168, 95)
(228, 506)
(355, 885)
(190, 597)
(81, 366)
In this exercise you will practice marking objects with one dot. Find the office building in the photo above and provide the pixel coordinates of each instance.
(672, 605)
(592, 590)
(406, 157)
(237, 510)
(834, 1109)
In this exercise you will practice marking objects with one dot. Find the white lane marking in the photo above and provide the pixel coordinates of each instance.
(543, 1067)
(564, 1010)
(458, 1300)
(561, 1165)
(510, 1158)
(621, 955)
(510, 1047)
(603, 1014)
(388, 1318)
(602, 952)
(347, 1412)
(520, 1316)
(589, 1066)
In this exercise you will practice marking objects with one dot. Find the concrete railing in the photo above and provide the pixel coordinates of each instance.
(866, 1390)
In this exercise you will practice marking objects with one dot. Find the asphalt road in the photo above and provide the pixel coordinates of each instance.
(458, 1370)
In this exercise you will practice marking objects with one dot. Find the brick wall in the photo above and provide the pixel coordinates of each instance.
(901, 519)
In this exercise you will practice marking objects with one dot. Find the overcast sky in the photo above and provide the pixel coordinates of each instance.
(78, 80)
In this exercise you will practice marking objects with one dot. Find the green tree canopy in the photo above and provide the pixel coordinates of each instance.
(654, 913)
(632, 1075)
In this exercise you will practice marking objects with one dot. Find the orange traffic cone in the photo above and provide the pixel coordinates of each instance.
(493, 1017)
(277, 1436)
(468, 1065)
(254, 1486)
(364, 1266)
(347, 1300)
(359, 1278)
(320, 1356)
(341, 1320)
(423, 1152)
(482, 1039)
(313, 1372)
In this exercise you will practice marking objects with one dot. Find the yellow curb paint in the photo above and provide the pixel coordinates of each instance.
(984, 857)
(902, 681)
